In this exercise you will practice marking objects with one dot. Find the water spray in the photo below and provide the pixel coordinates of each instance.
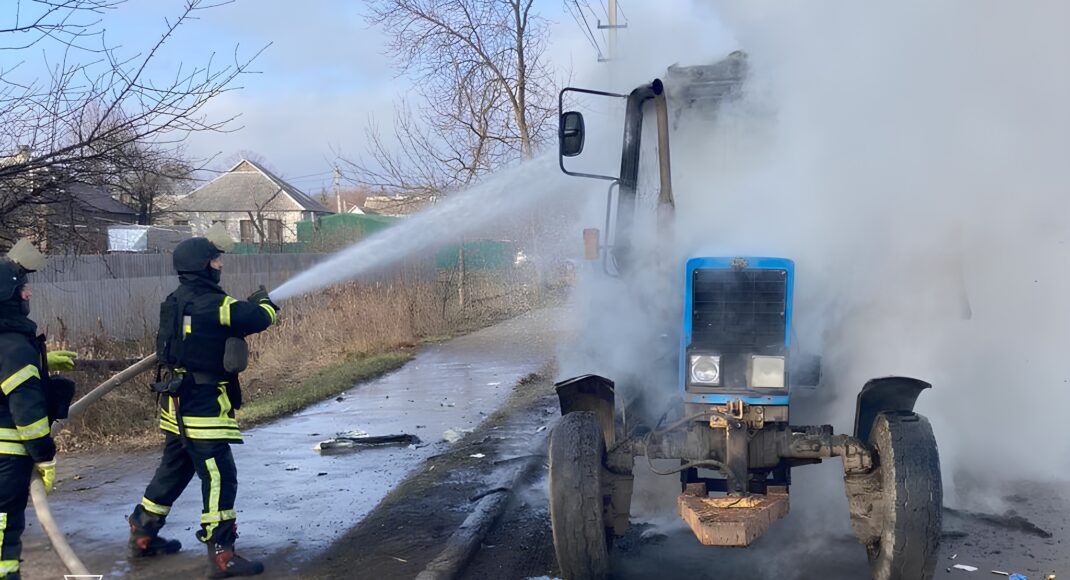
(512, 190)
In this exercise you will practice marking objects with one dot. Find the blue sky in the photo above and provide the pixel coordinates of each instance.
(325, 77)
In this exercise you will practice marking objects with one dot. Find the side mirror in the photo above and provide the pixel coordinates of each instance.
(571, 133)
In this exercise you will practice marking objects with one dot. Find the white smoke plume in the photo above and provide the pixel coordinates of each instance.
(913, 158)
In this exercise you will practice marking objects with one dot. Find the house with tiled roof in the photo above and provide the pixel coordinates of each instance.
(255, 205)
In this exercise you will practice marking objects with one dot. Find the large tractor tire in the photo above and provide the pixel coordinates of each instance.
(911, 498)
(577, 501)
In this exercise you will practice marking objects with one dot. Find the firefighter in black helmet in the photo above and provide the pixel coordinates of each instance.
(29, 401)
(201, 348)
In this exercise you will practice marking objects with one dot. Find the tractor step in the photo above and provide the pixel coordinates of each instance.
(729, 520)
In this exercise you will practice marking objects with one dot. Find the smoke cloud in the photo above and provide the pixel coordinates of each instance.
(914, 160)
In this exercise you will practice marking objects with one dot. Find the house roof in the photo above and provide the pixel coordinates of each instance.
(247, 186)
(97, 199)
(390, 205)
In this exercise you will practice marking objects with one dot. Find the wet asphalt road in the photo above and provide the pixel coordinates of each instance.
(813, 542)
(292, 501)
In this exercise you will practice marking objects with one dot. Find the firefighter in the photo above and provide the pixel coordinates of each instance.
(28, 402)
(201, 348)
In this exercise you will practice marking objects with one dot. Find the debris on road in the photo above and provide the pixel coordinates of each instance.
(483, 494)
(1009, 520)
(355, 439)
(454, 435)
(965, 567)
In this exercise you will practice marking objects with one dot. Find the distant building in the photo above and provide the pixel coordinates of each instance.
(138, 239)
(345, 200)
(79, 223)
(255, 205)
(396, 205)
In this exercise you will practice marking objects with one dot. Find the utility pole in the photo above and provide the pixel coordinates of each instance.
(337, 190)
(612, 31)
(612, 25)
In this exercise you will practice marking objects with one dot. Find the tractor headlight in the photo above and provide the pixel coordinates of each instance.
(705, 369)
(767, 372)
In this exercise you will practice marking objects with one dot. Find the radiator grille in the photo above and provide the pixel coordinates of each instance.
(739, 310)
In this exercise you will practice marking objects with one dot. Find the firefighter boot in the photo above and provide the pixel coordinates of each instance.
(144, 535)
(224, 563)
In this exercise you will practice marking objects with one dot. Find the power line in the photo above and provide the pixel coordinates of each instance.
(576, 16)
(320, 174)
(581, 20)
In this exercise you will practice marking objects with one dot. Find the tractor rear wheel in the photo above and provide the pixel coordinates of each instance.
(910, 500)
(577, 501)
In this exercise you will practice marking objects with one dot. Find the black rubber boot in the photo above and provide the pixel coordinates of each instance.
(145, 540)
(224, 563)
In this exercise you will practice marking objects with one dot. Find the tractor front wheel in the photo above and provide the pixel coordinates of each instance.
(910, 499)
(577, 501)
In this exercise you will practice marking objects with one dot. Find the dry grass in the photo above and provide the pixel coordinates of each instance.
(322, 345)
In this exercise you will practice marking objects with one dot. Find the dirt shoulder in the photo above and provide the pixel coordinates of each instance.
(408, 528)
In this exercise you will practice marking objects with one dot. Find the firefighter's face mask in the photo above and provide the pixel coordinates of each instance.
(215, 270)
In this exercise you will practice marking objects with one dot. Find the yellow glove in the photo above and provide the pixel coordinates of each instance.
(47, 471)
(61, 360)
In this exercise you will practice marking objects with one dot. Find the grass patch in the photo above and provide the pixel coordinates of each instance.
(325, 383)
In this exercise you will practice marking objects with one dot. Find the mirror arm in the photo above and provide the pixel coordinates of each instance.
(560, 115)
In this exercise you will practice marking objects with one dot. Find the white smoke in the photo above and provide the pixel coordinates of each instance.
(913, 158)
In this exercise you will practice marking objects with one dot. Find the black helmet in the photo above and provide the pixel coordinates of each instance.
(11, 277)
(22, 259)
(193, 255)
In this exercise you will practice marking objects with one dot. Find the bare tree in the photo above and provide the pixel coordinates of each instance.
(486, 87)
(96, 110)
(487, 94)
(149, 180)
(258, 217)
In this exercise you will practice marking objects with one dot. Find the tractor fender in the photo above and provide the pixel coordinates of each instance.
(888, 394)
(590, 393)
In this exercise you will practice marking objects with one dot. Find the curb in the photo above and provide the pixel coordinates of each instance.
(463, 543)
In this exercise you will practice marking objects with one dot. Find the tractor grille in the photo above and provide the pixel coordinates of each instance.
(739, 311)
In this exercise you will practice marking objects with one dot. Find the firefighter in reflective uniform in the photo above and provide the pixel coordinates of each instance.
(197, 408)
(27, 401)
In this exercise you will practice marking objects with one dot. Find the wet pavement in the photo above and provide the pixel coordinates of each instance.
(813, 542)
(1030, 535)
(294, 502)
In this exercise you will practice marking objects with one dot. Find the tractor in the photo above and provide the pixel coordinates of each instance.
(729, 424)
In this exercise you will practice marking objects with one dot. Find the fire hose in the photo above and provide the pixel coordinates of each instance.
(37, 488)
